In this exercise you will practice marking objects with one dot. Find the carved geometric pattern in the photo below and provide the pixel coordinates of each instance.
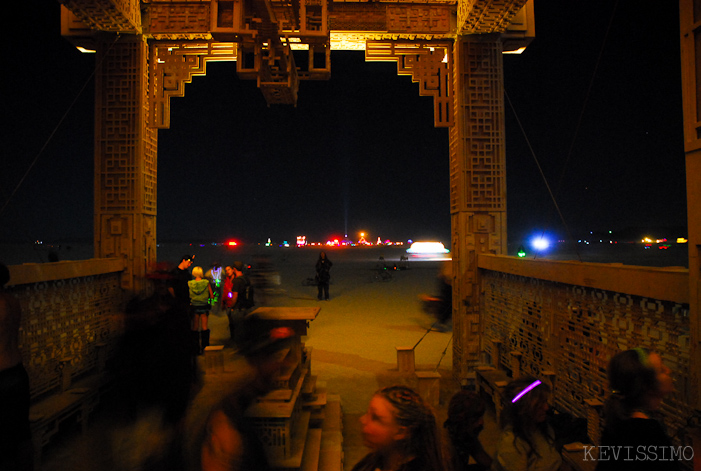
(187, 18)
(418, 19)
(492, 16)
(65, 320)
(121, 97)
(172, 65)
(477, 154)
(574, 331)
(108, 15)
(428, 63)
(356, 41)
(358, 17)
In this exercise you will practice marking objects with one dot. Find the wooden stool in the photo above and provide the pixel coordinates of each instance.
(429, 386)
(405, 359)
(214, 359)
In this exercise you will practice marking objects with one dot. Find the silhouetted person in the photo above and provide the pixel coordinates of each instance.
(323, 276)
(177, 285)
(15, 434)
(464, 424)
(639, 382)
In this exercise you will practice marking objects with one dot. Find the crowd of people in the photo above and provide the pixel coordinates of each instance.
(400, 428)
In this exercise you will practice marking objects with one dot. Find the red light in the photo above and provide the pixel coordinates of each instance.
(232, 243)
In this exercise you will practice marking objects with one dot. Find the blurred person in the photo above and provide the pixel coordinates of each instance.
(177, 286)
(400, 429)
(16, 452)
(200, 296)
(464, 424)
(230, 442)
(236, 297)
(527, 441)
(441, 305)
(639, 382)
(323, 276)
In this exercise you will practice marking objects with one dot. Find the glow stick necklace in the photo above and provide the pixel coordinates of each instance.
(528, 388)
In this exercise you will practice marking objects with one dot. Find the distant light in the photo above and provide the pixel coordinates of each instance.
(232, 243)
(540, 243)
(681, 240)
(86, 51)
(521, 252)
(427, 247)
(515, 51)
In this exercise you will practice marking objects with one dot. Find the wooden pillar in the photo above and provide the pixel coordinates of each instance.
(477, 183)
(125, 158)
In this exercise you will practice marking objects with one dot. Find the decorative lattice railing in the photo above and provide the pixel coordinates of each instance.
(69, 313)
(570, 318)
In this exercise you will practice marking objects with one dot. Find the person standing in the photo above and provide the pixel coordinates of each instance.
(237, 298)
(178, 287)
(323, 276)
(200, 296)
(15, 434)
(639, 381)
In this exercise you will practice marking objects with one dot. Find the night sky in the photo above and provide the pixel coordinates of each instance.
(597, 93)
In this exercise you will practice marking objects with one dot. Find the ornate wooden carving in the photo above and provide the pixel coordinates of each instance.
(428, 64)
(119, 16)
(481, 17)
(172, 65)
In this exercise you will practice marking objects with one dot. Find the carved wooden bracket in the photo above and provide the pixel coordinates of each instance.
(172, 65)
(429, 64)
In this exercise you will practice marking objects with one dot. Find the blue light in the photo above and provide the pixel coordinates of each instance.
(540, 243)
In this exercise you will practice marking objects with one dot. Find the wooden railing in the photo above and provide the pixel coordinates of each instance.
(563, 321)
(70, 318)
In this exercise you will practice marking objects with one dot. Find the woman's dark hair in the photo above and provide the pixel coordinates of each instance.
(520, 415)
(632, 381)
(413, 413)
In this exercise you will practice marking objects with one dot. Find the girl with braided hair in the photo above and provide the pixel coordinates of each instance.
(400, 429)
(527, 442)
(632, 438)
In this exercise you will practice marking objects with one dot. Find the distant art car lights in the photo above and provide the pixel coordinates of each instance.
(427, 248)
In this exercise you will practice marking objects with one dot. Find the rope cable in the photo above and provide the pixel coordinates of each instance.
(58, 125)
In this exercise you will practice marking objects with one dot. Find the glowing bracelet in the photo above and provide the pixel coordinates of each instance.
(528, 388)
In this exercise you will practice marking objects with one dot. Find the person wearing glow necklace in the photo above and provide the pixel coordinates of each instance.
(527, 442)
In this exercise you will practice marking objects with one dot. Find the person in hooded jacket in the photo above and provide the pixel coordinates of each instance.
(200, 294)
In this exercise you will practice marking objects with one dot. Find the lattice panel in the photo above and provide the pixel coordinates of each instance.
(172, 65)
(108, 15)
(120, 118)
(428, 63)
(179, 18)
(477, 157)
(358, 17)
(574, 331)
(66, 319)
(492, 16)
(418, 19)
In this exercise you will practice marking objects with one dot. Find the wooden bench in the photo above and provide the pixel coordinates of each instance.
(76, 402)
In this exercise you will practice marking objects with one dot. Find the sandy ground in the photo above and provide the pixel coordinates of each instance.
(355, 335)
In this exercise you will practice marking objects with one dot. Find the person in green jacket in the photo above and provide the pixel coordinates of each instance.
(200, 294)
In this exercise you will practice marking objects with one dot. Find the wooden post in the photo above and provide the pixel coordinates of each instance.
(405, 359)
(429, 386)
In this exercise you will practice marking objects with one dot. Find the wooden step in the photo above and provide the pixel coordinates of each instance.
(331, 455)
(312, 450)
